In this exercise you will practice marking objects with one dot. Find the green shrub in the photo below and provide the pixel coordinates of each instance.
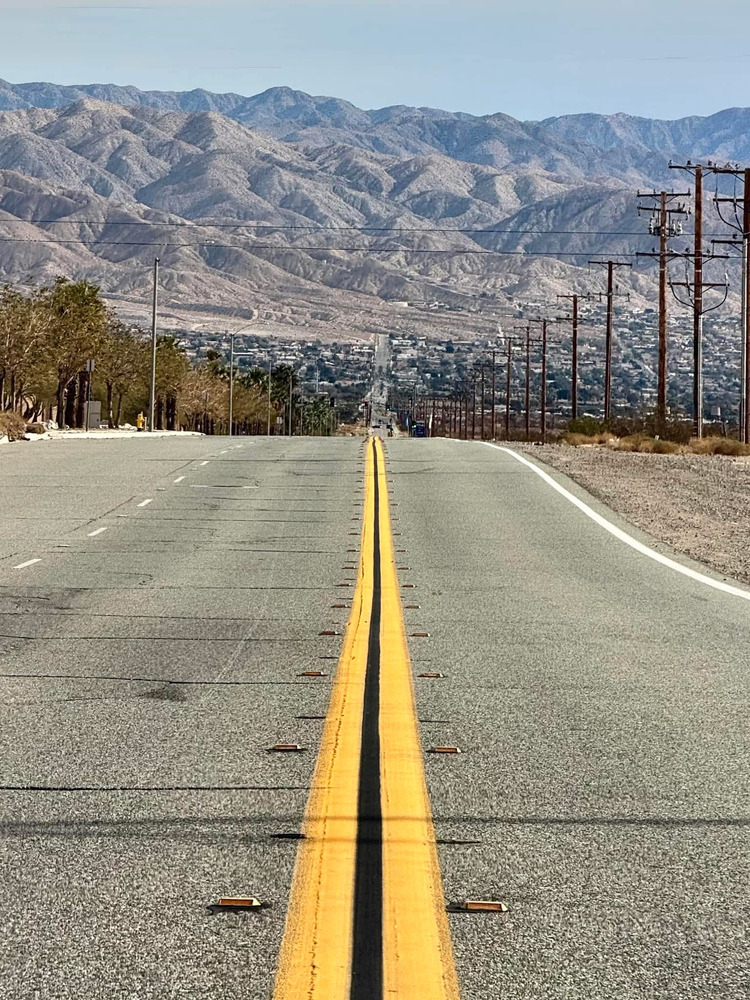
(586, 426)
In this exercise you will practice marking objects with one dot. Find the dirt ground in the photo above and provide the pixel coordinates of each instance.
(698, 504)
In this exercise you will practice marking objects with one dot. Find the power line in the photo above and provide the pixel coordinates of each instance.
(251, 248)
(325, 229)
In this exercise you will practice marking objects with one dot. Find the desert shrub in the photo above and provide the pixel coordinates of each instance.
(631, 442)
(12, 426)
(662, 447)
(586, 426)
(645, 443)
(670, 429)
(577, 440)
(627, 426)
(719, 446)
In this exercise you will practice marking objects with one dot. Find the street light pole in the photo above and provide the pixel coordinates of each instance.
(231, 382)
(268, 422)
(291, 391)
(232, 355)
(152, 394)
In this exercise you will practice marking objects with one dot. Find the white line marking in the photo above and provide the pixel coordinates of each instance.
(623, 536)
(145, 503)
(205, 463)
(198, 487)
(29, 562)
(224, 452)
(179, 479)
(97, 532)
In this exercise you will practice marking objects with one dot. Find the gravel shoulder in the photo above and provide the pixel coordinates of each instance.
(698, 504)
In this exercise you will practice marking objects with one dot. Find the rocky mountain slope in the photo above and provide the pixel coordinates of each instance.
(306, 212)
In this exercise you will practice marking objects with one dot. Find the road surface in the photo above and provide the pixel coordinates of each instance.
(599, 699)
(381, 383)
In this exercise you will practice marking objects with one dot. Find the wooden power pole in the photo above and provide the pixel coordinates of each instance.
(611, 265)
(695, 290)
(663, 225)
(742, 227)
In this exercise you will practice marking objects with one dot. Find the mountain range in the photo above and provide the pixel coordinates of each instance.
(304, 214)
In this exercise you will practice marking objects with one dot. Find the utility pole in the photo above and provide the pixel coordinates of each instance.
(543, 393)
(474, 405)
(508, 372)
(695, 291)
(698, 307)
(481, 397)
(528, 381)
(575, 298)
(610, 295)
(268, 418)
(661, 224)
(291, 394)
(492, 422)
(152, 391)
(742, 227)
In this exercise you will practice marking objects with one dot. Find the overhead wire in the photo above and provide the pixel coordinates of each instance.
(291, 248)
(426, 230)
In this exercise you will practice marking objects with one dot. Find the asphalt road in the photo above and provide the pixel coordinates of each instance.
(599, 699)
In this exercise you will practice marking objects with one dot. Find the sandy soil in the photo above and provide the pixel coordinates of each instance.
(698, 504)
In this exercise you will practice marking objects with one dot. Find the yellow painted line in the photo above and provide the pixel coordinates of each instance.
(315, 959)
(418, 956)
(316, 954)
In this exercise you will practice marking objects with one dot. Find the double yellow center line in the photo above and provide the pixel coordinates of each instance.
(367, 916)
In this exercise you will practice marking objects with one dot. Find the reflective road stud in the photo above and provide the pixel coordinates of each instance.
(479, 906)
(236, 904)
(366, 917)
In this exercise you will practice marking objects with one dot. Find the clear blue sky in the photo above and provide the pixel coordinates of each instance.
(527, 58)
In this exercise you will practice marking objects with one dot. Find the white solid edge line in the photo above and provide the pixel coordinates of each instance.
(97, 532)
(623, 536)
(29, 562)
(145, 502)
(179, 479)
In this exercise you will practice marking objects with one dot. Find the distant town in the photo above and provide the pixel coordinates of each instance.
(442, 367)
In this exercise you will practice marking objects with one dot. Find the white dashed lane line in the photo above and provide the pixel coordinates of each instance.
(97, 532)
(29, 562)
(205, 463)
(179, 479)
(145, 503)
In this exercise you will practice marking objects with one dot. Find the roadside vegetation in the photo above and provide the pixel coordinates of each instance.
(640, 436)
(48, 334)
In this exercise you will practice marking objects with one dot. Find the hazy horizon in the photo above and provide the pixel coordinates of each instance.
(537, 62)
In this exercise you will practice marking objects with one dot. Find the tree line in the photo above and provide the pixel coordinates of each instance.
(49, 334)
